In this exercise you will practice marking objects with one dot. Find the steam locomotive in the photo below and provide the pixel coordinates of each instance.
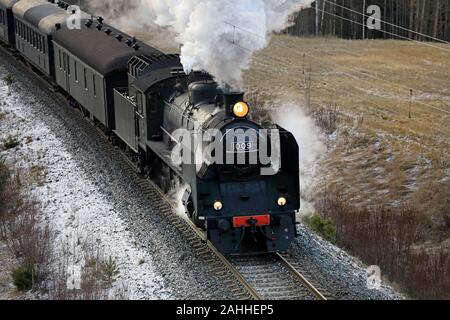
(160, 116)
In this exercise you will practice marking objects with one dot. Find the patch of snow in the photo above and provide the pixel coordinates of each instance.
(73, 204)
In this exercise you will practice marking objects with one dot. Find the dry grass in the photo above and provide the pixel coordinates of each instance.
(98, 273)
(392, 168)
(38, 174)
(27, 239)
(388, 238)
(359, 90)
(162, 40)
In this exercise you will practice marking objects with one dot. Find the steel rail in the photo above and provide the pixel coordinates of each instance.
(301, 278)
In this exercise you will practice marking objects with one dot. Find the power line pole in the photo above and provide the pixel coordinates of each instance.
(410, 102)
(317, 18)
(364, 21)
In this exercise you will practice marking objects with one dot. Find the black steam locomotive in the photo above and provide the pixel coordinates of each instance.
(161, 116)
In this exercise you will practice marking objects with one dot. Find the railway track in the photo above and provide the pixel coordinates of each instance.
(257, 277)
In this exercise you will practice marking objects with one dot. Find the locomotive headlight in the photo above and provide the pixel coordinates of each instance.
(241, 109)
(218, 205)
(282, 201)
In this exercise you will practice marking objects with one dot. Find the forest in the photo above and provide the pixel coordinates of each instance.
(424, 20)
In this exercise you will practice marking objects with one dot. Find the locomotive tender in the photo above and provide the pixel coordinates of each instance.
(142, 98)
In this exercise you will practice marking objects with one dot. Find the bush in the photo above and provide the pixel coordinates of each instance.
(10, 143)
(109, 269)
(8, 79)
(4, 175)
(390, 238)
(27, 238)
(7, 196)
(97, 275)
(23, 277)
(322, 226)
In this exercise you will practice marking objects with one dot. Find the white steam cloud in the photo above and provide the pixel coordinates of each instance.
(218, 36)
(176, 195)
(291, 117)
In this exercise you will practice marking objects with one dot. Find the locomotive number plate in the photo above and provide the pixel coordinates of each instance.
(242, 146)
(239, 222)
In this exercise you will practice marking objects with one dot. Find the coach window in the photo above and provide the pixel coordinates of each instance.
(75, 70)
(60, 59)
(95, 87)
(85, 80)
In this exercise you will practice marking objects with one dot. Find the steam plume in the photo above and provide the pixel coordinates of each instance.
(216, 36)
(291, 117)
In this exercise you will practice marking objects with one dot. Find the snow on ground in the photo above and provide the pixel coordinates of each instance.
(72, 204)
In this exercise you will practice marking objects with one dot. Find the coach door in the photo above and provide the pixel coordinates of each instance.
(66, 68)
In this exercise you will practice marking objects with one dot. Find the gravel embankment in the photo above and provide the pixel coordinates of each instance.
(337, 273)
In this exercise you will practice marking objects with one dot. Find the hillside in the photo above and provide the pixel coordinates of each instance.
(360, 95)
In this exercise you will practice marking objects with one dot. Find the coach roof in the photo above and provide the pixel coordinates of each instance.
(8, 4)
(42, 15)
(101, 51)
(23, 6)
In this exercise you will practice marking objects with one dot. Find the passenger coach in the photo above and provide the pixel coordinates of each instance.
(6, 21)
(90, 62)
(35, 21)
